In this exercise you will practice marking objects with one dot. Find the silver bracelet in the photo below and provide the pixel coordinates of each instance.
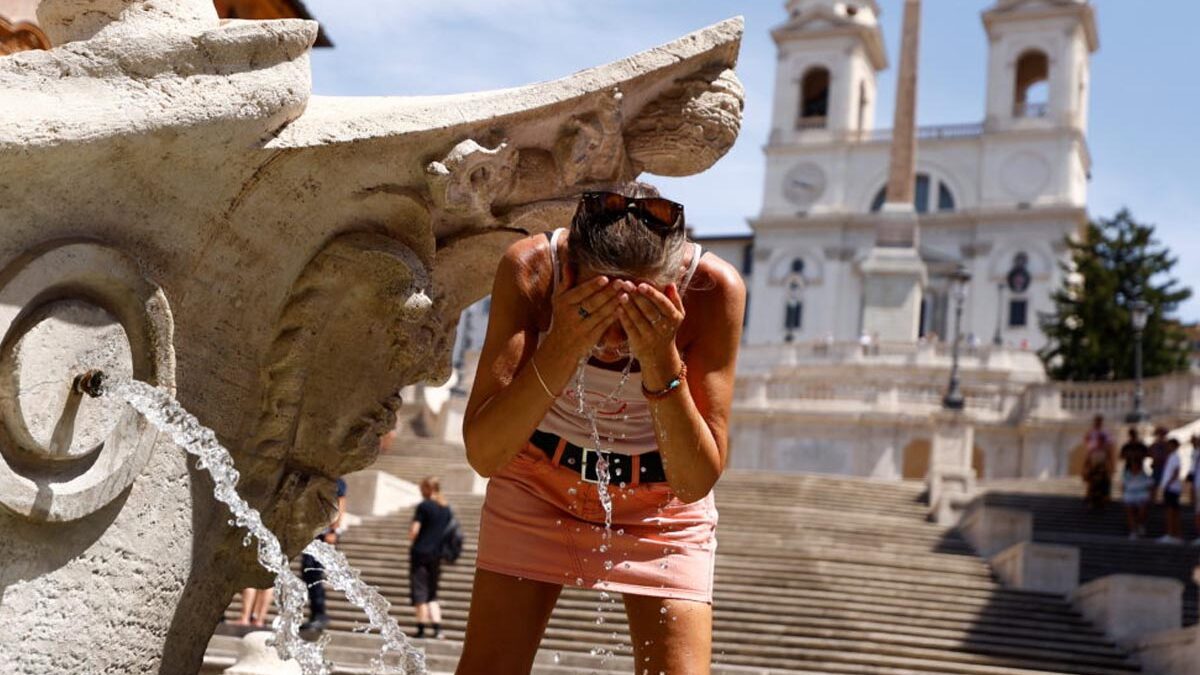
(543, 382)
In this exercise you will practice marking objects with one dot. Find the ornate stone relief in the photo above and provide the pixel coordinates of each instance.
(689, 126)
(69, 309)
(591, 147)
(469, 180)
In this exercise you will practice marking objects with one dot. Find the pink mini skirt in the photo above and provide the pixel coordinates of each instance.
(541, 521)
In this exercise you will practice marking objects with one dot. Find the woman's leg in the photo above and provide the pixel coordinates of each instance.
(507, 619)
(247, 606)
(677, 641)
(262, 605)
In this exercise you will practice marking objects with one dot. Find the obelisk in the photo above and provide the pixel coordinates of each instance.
(893, 273)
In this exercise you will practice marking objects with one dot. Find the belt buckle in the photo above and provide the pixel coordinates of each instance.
(583, 465)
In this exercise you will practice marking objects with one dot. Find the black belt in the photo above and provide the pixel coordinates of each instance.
(647, 468)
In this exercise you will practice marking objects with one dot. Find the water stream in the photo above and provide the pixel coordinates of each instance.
(291, 594)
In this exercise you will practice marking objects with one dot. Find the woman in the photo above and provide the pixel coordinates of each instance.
(1097, 465)
(1137, 485)
(622, 312)
(429, 524)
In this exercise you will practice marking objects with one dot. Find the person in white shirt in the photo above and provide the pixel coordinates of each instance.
(1171, 486)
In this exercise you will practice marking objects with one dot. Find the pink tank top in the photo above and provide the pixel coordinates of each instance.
(622, 412)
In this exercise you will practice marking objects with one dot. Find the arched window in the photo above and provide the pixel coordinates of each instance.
(814, 98)
(921, 195)
(1032, 94)
(798, 265)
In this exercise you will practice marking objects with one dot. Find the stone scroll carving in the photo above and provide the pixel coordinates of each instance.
(361, 289)
(688, 127)
(71, 308)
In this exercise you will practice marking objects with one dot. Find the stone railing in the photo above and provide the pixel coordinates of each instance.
(999, 385)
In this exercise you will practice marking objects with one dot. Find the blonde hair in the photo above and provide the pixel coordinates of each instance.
(433, 485)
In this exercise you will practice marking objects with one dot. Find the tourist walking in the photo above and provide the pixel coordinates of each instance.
(1171, 487)
(431, 524)
(1097, 465)
(313, 572)
(1137, 484)
(614, 333)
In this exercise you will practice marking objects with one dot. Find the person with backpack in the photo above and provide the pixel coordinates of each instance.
(434, 532)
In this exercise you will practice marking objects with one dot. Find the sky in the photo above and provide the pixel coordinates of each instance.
(1145, 84)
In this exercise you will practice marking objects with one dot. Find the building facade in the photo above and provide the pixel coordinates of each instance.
(996, 197)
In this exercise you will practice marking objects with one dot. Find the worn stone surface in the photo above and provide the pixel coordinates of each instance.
(176, 204)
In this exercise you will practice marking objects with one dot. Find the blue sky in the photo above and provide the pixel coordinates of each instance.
(1145, 98)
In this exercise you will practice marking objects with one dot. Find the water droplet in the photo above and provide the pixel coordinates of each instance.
(608, 564)
(662, 610)
(557, 657)
(578, 581)
(572, 491)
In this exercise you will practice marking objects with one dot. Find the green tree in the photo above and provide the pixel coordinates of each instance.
(1115, 262)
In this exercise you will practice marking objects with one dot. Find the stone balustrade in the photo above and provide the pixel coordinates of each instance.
(846, 377)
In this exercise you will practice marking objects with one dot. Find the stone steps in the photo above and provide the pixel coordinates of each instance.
(1059, 518)
(814, 574)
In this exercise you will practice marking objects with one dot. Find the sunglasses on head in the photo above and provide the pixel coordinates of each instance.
(662, 216)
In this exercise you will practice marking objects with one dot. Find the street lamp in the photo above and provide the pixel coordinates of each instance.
(954, 398)
(1139, 313)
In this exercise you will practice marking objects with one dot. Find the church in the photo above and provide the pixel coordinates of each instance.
(993, 199)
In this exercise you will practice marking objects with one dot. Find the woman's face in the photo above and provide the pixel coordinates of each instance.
(613, 345)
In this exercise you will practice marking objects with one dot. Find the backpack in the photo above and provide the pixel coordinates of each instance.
(452, 540)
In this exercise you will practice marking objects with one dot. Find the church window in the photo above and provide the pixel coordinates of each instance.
(814, 98)
(1018, 313)
(1032, 85)
(798, 266)
(793, 316)
(921, 195)
(945, 198)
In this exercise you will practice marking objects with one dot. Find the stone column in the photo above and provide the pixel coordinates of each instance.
(893, 271)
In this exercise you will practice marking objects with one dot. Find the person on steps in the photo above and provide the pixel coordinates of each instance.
(427, 534)
(1137, 485)
(1171, 488)
(314, 574)
(1097, 465)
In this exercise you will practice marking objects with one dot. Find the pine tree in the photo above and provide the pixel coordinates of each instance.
(1115, 262)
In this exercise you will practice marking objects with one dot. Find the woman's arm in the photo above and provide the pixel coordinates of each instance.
(507, 399)
(692, 422)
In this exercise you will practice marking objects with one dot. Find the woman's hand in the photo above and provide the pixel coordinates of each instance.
(651, 319)
(581, 313)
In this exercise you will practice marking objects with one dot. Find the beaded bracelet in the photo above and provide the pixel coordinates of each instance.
(671, 386)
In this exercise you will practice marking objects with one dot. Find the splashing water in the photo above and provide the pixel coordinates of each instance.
(291, 594)
(603, 478)
(343, 577)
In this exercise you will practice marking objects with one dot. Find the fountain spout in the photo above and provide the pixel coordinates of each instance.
(90, 383)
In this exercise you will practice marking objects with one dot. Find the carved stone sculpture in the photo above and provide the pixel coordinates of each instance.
(176, 207)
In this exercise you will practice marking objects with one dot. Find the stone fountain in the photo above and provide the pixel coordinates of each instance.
(176, 207)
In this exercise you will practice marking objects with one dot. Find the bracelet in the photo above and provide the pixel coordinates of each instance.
(674, 384)
(537, 372)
